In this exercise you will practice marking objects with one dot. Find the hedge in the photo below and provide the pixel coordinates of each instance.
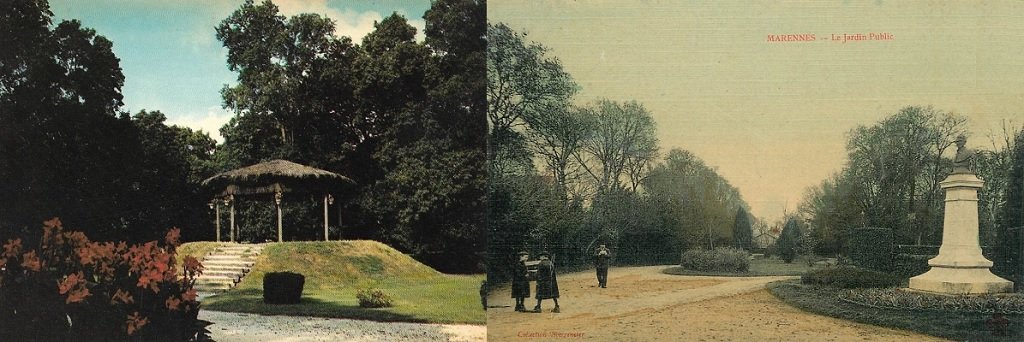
(872, 248)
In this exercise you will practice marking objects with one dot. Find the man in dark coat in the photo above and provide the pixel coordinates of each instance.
(547, 283)
(602, 259)
(521, 282)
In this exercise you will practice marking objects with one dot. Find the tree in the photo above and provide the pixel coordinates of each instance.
(523, 85)
(895, 167)
(789, 240)
(404, 119)
(742, 231)
(702, 201)
(622, 137)
(62, 142)
(294, 97)
(556, 138)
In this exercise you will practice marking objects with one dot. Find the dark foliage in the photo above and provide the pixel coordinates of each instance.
(872, 248)
(404, 119)
(66, 148)
(742, 231)
(851, 277)
(787, 244)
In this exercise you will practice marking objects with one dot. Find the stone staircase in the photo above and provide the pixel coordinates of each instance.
(225, 267)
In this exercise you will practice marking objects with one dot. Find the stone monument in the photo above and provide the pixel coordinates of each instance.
(960, 268)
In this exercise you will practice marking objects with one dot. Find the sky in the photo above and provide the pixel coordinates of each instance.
(773, 116)
(172, 60)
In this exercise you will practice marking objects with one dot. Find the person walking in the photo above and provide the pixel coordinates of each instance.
(547, 283)
(521, 282)
(602, 259)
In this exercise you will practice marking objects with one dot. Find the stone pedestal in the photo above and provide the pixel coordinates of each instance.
(960, 268)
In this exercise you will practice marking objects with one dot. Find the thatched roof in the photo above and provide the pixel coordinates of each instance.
(264, 177)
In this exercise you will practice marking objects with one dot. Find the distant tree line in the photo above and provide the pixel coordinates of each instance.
(404, 119)
(565, 177)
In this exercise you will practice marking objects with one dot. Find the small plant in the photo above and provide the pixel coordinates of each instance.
(722, 259)
(373, 298)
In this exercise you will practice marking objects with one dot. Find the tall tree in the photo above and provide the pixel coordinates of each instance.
(621, 135)
(556, 138)
(523, 85)
(742, 231)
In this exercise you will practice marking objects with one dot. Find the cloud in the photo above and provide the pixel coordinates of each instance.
(210, 122)
(348, 22)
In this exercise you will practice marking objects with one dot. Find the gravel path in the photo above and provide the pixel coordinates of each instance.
(643, 304)
(230, 326)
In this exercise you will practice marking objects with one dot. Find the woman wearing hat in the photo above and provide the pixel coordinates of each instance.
(547, 284)
(521, 282)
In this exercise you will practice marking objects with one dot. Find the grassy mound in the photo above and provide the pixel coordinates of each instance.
(335, 271)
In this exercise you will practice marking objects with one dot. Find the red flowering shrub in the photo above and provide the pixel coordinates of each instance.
(69, 288)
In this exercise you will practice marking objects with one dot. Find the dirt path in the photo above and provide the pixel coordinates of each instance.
(643, 304)
(230, 326)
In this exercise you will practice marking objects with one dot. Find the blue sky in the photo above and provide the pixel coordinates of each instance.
(172, 60)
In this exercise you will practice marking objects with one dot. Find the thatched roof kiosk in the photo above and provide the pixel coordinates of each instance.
(274, 177)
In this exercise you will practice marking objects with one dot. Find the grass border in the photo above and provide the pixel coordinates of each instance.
(956, 326)
(762, 267)
(679, 270)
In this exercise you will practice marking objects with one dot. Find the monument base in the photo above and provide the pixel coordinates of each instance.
(955, 280)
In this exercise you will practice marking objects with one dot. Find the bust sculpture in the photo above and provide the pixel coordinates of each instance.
(964, 160)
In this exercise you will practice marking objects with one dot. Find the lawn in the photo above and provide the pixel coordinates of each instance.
(336, 270)
(956, 326)
(758, 267)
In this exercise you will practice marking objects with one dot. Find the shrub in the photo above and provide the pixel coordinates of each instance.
(62, 286)
(722, 259)
(283, 287)
(373, 298)
(910, 265)
(872, 248)
(850, 277)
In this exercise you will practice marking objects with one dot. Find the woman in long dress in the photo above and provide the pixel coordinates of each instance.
(521, 282)
(547, 283)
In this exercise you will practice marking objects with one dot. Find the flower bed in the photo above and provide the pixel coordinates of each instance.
(894, 298)
(61, 286)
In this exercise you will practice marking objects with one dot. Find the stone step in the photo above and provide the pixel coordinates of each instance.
(225, 266)
(229, 257)
(218, 278)
(212, 287)
(239, 248)
(218, 262)
(235, 267)
(231, 272)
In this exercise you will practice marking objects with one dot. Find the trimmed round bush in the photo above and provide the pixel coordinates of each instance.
(850, 277)
(373, 298)
(283, 287)
(722, 259)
